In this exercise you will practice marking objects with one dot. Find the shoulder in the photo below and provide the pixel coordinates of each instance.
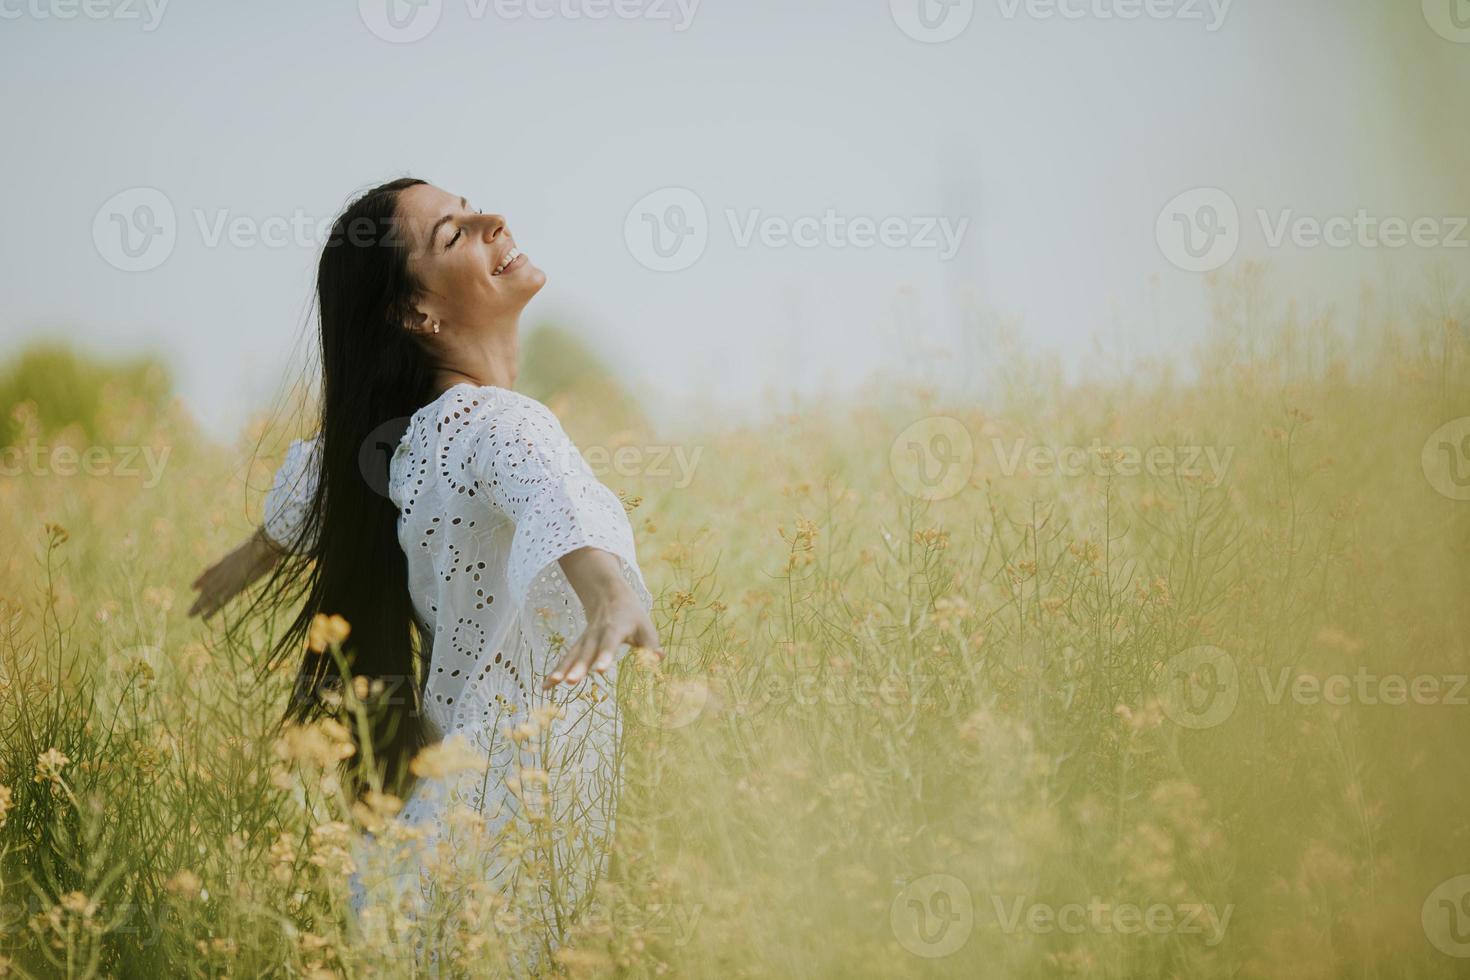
(490, 430)
(469, 410)
(494, 418)
(303, 457)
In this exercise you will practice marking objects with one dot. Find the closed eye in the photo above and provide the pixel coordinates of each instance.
(458, 232)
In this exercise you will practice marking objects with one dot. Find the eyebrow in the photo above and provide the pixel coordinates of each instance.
(434, 231)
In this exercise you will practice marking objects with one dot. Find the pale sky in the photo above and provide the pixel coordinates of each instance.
(1045, 146)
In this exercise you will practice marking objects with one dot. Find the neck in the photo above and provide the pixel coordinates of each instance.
(487, 358)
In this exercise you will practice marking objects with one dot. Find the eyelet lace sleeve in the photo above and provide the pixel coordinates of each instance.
(288, 503)
(530, 469)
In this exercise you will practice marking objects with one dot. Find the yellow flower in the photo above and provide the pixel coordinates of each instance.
(330, 847)
(327, 631)
(184, 884)
(446, 758)
(77, 903)
(375, 808)
(283, 857)
(932, 537)
(49, 765)
(326, 742)
(547, 713)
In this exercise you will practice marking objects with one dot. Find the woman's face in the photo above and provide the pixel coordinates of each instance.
(466, 263)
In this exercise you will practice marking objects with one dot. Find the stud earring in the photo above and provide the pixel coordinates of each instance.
(436, 326)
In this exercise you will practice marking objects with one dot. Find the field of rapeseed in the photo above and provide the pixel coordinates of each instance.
(1158, 676)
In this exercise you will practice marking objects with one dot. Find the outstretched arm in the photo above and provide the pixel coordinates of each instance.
(234, 573)
(614, 616)
(287, 508)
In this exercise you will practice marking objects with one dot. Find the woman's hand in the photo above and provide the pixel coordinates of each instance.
(614, 617)
(233, 574)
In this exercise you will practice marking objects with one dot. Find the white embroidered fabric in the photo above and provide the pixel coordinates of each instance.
(491, 493)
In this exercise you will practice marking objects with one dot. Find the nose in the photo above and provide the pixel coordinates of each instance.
(493, 226)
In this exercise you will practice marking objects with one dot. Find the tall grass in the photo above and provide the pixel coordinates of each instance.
(1014, 722)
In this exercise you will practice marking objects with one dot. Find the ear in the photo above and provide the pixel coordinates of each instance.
(419, 321)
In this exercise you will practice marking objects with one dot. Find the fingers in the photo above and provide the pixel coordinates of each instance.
(205, 598)
(594, 650)
(647, 637)
(206, 605)
(209, 601)
(604, 660)
(212, 593)
(574, 653)
(603, 646)
(597, 648)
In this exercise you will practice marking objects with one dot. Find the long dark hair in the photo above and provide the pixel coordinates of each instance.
(347, 560)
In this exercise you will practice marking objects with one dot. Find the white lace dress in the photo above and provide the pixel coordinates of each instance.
(491, 493)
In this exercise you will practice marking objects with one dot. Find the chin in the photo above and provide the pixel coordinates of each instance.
(535, 279)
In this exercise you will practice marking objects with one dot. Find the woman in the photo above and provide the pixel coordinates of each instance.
(487, 536)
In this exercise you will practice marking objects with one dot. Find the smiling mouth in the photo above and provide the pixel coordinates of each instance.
(513, 259)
